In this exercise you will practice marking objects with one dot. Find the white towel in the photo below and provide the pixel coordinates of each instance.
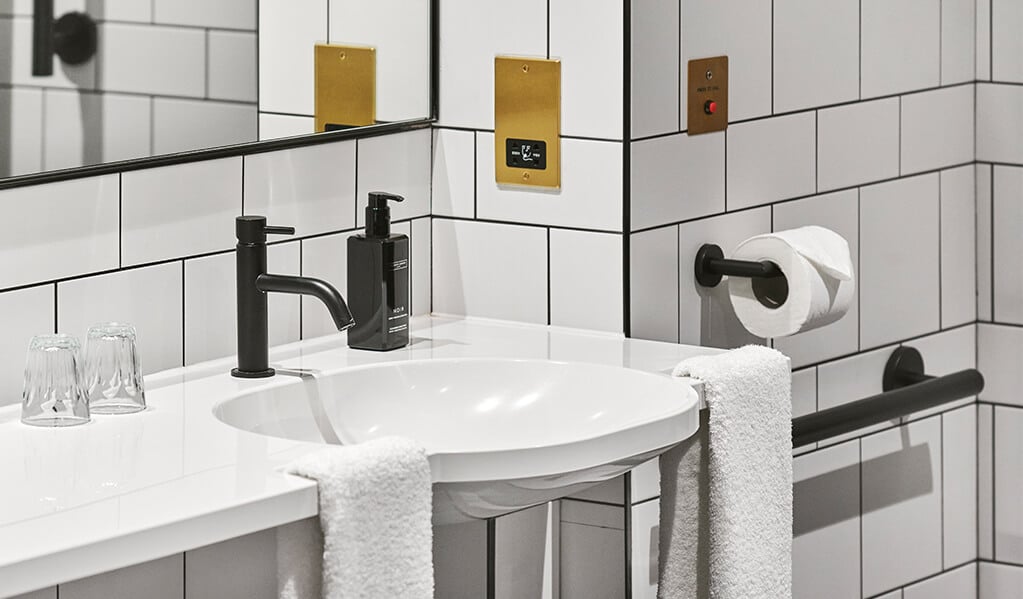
(375, 517)
(726, 493)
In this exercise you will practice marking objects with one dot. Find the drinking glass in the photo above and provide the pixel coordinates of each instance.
(53, 394)
(113, 378)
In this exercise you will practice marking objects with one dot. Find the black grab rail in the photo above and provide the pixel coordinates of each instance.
(906, 390)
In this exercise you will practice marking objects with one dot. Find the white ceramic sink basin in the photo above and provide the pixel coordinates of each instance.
(501, 434)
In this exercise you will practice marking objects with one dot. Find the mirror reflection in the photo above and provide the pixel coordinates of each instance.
(166, 76)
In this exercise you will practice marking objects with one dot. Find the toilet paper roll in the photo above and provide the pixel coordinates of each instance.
(817, 289)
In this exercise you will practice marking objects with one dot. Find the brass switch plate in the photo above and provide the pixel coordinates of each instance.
(527, 121)
(708, 83)
(346, 86)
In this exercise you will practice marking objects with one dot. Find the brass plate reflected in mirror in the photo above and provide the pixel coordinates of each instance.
(346, 92)
(527, 121)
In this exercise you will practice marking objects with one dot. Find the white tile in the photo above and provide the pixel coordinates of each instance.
(1006, 46)
(956, 584)
(454, 176)
(901, 505)
(985, 482)
(397, 163)
(905, 210)
(590, 194)
(211, 307)
(999, 123)
(224, 14)
(181, 72)
(655, 67)
(959, 476)
(645, 549)
(287, 33)
(50, 593)
(838, 212)
(958, 46)
(830, 33)
(240, 568)
(676, 178)
(310, 188)
(149, 298)
(274, 126)
(771, 159)
(122, 10)
(157, 579)
(460, 560)
(87, 128)
(945, 353)
(804, 392)
(999, 354)
(742, 31)
(826, 523)
(591, 77)
(23, 151)
(1008, 477)
(32, 314)
(180, 210)
(900, 46)
(519, 552)
(1000, 581)
(646, 481)
(983, 45)
(653, 284)
(706, 316)
(850, 379)
(323, 258)
(467, 54)
(421, 271)
(958, 246)
(591, 562)
(400, 32)
(985, 223)
(490, 270)
(586, 280)
(857, 143)
(232, 64)
(1007, 189)
(18, 58)
(937, 129)
(63, 229)
(182, 125)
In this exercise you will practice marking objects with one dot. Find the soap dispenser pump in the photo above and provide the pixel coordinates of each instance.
(378, 280)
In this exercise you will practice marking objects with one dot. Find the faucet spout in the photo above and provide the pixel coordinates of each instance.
(322, 290)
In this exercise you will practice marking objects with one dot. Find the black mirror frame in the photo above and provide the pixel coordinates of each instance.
(253, 147)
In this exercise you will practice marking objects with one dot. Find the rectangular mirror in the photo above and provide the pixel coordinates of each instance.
(131, 79)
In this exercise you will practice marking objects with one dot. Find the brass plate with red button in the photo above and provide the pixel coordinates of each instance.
(708, 95)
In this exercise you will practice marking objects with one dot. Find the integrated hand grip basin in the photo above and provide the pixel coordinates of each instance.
(501, 434)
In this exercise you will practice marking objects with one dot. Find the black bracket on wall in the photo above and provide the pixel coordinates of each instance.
(711, 265)
(72, 37)
(906, 390)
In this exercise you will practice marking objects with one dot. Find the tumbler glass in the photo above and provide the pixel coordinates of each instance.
(113, 377)
(53, 394)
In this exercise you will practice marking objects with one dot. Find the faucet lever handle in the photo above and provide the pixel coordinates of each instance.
(279, 230)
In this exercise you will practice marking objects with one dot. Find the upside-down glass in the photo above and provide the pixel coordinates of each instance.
(53, 394)
(113, 377)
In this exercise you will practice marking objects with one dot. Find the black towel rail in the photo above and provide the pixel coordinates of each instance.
(72, 37)
(906, 390)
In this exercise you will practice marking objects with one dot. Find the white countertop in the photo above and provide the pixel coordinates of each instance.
(126, 489)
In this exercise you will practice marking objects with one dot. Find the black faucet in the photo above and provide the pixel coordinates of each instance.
(253, 285)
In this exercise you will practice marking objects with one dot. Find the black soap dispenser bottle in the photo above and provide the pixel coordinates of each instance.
(378, 288)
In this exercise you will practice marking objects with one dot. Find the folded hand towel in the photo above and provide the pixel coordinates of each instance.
(726, 493)
(375, 517)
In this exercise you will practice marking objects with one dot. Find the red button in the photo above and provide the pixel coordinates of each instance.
(710, 107)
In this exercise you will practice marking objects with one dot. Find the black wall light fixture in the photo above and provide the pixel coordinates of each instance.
(72, 37)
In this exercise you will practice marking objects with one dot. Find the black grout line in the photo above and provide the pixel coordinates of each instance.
(859, 48)
(56, 311)
(548, 275)
(184, 327)
(941, 492)
(102, 92)
(859, 468)
(941, 290)
(859, 261)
